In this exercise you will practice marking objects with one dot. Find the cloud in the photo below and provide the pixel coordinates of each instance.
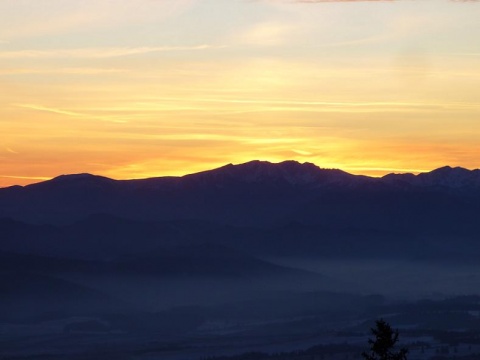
(324, 1)
(11, 151)
(47, 109)
(266, 34)
(62, 71)
(302, 152)
(70, 113)
(99, 53)
(25, 177)
(33, 18)
(351, 1)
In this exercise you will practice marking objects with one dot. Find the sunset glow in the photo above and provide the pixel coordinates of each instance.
(142, 88)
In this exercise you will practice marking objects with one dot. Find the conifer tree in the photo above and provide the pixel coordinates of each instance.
(382, 347)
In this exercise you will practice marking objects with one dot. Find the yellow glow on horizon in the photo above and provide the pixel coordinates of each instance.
(141, 172)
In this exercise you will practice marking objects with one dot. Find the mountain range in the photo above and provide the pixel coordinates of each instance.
(255, 193)
(259, 208)
(97, 242)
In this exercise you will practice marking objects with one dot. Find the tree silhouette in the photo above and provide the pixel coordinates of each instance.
(383, 346)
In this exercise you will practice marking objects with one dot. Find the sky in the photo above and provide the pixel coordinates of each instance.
(143, 88)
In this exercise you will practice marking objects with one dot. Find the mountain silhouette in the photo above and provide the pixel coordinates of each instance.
(89, 244)
(259, 208)
(446, 177)
(256, 193)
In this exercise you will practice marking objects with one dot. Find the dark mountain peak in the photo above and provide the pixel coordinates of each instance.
(454, 177)
(73, 181)
(450, 171)
(253, 193)
(257, 171)
(404, 176)
(79, 178)
(446, 176)
(290, 171)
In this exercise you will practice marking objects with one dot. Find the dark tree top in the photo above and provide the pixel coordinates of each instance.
(382, 347)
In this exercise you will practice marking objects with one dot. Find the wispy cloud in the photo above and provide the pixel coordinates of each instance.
(52, 110)
(33, 18)
(324, 1)
(302, 152)
(25, 177)
(353, 1)
(100, 53)
(62, 71)
(266, 34)
(11, 151)
(70, 113)
(277, 104)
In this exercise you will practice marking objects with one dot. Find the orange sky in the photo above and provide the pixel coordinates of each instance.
(141, 88)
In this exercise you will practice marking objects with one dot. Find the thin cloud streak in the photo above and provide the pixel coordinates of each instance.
(336, 104)
(63, 71)
(325, 1)
(11, 151)
(223, 106)
(357, 1)
(47, 109)
(25, 177)
(100, 53)
(68, 113)
(345, 1)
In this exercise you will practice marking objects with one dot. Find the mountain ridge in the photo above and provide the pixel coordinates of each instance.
(257, 193)
(231, 223)
(291, 171)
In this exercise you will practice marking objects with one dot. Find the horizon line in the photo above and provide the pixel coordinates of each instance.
(356, 171)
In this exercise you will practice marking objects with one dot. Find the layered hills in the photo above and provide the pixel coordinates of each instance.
(106, 241)
(257, 207)
(252, 194)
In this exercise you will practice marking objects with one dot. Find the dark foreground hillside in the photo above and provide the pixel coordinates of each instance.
(272, 260)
